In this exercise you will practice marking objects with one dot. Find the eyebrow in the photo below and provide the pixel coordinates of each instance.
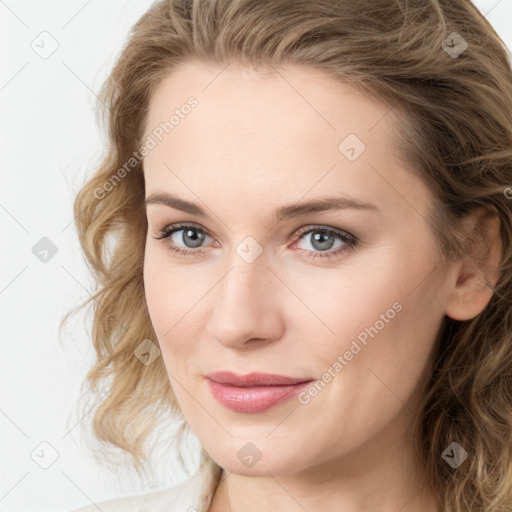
(280, 214)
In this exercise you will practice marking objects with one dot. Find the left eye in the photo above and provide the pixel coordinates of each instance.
(322, 241)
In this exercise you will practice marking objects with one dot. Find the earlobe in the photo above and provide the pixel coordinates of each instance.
(477, 274)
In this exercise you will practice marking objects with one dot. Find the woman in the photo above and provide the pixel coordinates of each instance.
(311, 204)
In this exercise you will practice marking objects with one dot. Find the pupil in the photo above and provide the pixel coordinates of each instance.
(321, 239)
(193, 237)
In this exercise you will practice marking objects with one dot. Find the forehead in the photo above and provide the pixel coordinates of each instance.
(291, 131)
(284, 95)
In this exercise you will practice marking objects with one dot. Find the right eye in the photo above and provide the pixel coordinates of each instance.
(188, 234)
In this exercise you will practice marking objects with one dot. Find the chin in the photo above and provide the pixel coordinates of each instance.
(248, 460)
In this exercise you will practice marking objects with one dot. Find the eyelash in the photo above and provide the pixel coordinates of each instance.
(348, 239)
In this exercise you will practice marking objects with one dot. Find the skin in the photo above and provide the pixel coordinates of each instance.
(258, 140)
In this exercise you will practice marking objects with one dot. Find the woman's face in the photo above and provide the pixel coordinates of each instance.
(347, 298)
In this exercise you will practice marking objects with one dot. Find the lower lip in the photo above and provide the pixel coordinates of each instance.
(255, 398)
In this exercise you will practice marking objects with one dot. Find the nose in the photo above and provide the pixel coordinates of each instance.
(246, 306)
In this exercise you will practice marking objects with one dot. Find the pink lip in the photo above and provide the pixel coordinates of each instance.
(255, 392)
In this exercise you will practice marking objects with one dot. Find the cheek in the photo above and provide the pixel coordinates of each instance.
(338, 304)
(155, 298)
(172, 293)
(383, 317)
(162, 294)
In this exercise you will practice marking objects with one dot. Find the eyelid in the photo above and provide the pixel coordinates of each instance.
(328, 229)
(174, 226)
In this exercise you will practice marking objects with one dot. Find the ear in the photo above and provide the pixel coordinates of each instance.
(478, 272)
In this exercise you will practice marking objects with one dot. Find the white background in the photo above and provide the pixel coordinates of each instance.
(50, 140)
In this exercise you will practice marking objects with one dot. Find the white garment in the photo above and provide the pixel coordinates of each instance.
(192, 495)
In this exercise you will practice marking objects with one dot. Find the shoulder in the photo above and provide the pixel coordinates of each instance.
(191, 495)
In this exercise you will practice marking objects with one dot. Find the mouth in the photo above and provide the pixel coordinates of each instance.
(255, 392)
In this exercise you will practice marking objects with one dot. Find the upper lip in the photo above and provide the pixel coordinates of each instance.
(254, 379)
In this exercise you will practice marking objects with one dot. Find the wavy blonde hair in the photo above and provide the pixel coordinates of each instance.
(454, 126)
